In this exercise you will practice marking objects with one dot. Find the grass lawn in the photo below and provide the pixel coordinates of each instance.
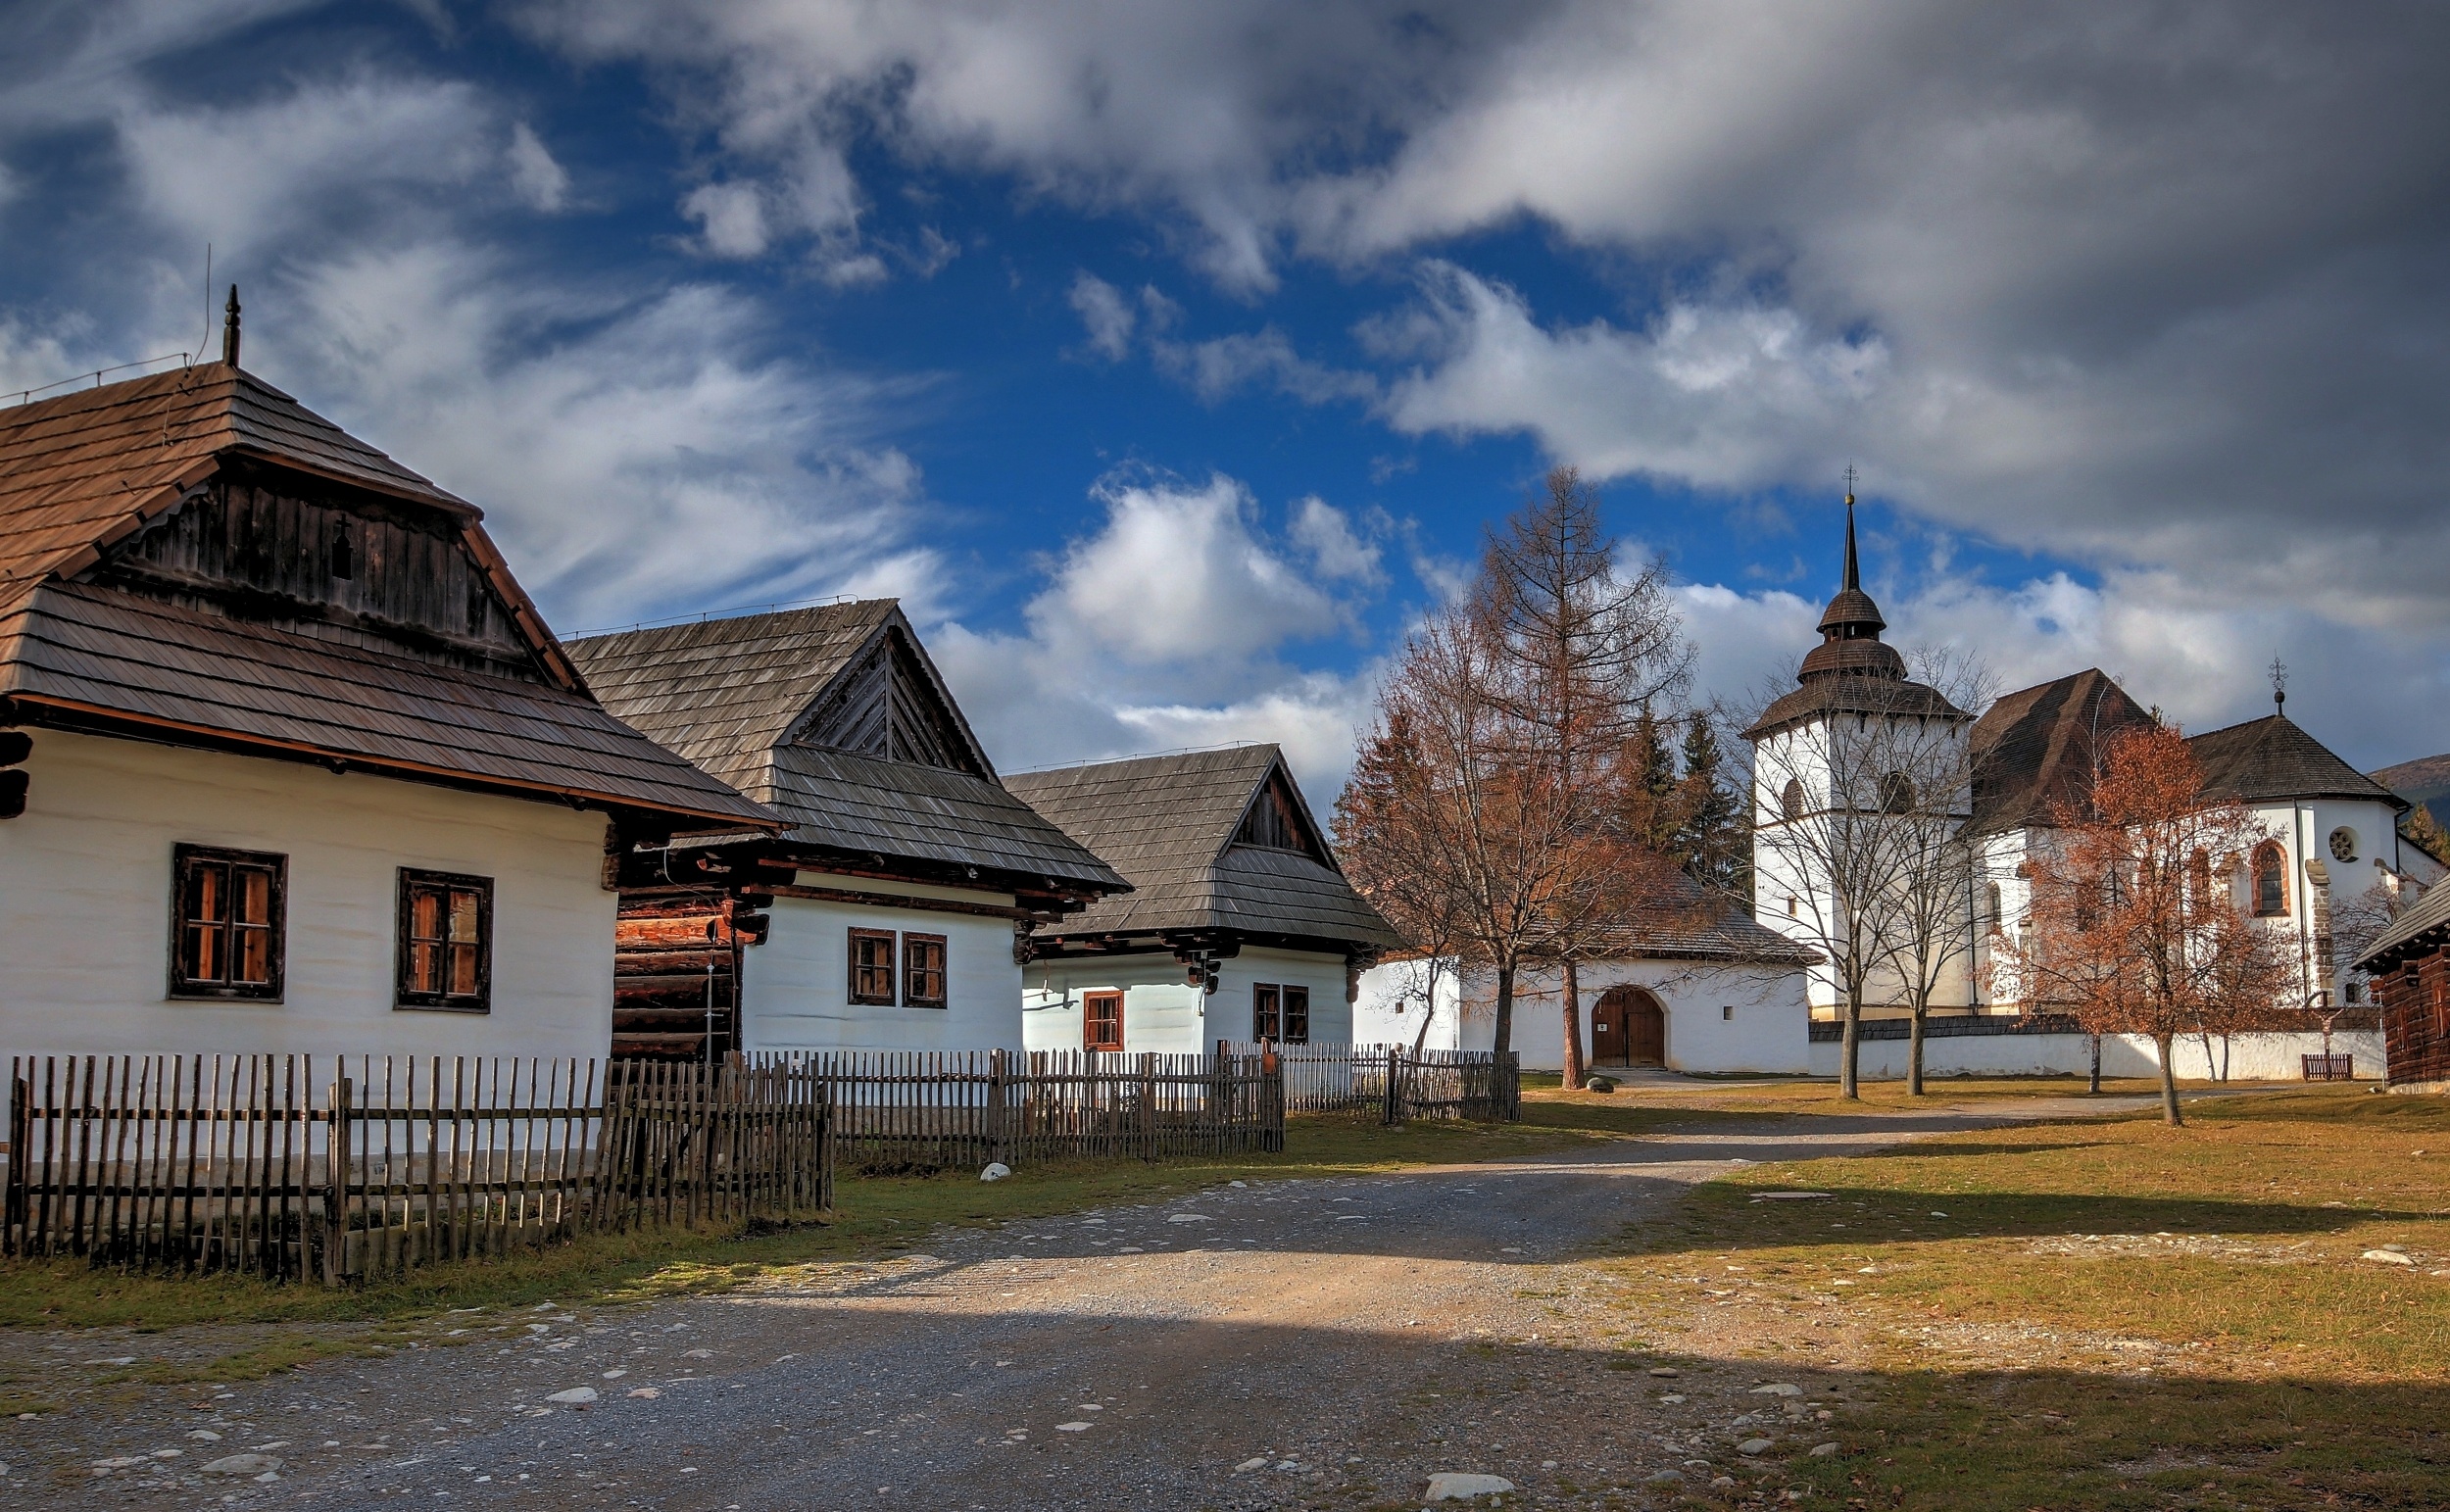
(2104, 1313)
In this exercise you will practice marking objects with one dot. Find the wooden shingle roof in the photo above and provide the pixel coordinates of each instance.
(1167, 823)
(2274, 757)
(84, 471)
(2422, 928)
(734, 696)
(2038, 747)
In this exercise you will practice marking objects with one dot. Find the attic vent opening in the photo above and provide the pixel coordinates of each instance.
(343, 555)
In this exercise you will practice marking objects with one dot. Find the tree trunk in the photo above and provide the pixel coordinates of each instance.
(1849, 1047)
(1501, 1032)
(2166, 1043)
(2094, 1090)
(1914, 1053)
(1572, 996)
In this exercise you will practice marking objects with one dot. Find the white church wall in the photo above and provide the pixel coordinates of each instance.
(1719, 1019)
(2245, 1057)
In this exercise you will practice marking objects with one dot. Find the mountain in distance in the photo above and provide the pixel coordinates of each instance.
(2425, 780)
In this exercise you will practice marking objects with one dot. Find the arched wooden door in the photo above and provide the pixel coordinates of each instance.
(1628, 1028)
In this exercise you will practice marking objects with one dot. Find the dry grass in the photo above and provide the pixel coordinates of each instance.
(2110, 1312)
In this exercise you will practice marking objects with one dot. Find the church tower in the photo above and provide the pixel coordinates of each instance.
(1852, 770)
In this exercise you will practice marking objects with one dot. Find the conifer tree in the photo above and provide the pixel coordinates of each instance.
(1711, 843)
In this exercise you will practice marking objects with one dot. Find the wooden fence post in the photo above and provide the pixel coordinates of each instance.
(336, 1186)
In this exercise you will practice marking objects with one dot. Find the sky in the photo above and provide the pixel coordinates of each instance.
(1167, 361)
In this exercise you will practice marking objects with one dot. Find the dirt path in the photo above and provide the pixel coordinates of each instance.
(1292, 1344)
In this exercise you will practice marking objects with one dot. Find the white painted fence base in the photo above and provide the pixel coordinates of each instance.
(2250, 1057)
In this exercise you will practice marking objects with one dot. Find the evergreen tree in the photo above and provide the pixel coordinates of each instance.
(1653, 799)
(1711, 843)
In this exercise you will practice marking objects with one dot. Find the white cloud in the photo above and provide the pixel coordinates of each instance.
(534, 174)
(1106, 314)
(631, 455)
(1169, 625)
(1216, 369)
(732, 221)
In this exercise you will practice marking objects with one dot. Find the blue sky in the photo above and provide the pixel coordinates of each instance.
(1167, 360)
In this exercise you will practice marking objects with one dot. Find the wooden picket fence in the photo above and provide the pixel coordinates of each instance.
(1394, 1081)
(255, 1163)
(918, 1111)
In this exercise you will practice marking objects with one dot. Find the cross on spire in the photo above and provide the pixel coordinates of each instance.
(2277, 671)
(1854, 576)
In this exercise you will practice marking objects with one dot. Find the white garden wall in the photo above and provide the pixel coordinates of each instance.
(85, 906)
(1720, 1019)
(2249, 1057)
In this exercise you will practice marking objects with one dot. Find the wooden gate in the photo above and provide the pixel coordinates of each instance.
(1628, 1028)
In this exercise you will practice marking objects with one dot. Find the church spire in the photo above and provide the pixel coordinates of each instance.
(1850, 644)
(1854, 574)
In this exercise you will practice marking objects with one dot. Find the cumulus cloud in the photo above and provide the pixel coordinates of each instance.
(534, 174)
(1169, 625)
(1105, 314)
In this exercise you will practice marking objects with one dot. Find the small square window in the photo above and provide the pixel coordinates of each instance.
(1726, 1015)
(1297, 1015)
(228, 921)
(1102, 1017)
(922, 971)
(1267, 1021)
(871, 967)
(446, 942)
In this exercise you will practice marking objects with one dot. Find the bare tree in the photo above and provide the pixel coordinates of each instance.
(1857, 802)
(2136, 926)
(1927, 790)
(1586, 651)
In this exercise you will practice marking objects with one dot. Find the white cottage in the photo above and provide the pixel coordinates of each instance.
(291, 762)
(902, 896)
(1687, 986)
(1240, 925)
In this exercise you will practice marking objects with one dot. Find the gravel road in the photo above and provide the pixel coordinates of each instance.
(1285, 1343)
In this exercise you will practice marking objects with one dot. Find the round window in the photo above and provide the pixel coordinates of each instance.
(2343, 844)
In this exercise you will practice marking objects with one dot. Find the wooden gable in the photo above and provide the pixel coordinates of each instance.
(1278, 820)
(887, 703)
(269, 545)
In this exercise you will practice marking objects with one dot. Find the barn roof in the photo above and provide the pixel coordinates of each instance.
(736, 696)
(2274, 757)
(1168, 824)
(2424, 927)
(84, 471)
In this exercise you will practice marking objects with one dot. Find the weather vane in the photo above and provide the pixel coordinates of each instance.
(1849, 482)
(2279, 673)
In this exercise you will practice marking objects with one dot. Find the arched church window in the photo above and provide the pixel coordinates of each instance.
(1896, 793)
(1790, 801)
(1990, 904)
(2268, 870)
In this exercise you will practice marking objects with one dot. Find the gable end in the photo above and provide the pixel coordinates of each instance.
(885, 703)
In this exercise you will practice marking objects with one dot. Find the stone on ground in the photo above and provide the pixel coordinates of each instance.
(2386, 1257)
(576, 1394)
(242, 1464)
(1461, 1485)
(1777, 1388)
(1820, 1450)
(996, 1170)
(1754, 1445)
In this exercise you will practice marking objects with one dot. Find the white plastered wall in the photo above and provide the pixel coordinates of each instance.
(796, 987)
(1163, 1014)
(1720, 1019)
(85, 906)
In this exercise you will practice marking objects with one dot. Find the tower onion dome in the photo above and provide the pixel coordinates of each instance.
(1850, 644)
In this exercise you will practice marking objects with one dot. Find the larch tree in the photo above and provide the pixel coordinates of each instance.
(1588, 650)
(2135, 923)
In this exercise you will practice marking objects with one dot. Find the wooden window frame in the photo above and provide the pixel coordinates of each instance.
(405, 992)
(884, 998)
(1267, 1013)
(1089, 1017)
(2271, 851)
(187, 862)
(1297, 1013)
(914, 973)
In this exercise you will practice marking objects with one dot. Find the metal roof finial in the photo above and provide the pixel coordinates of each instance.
(229, 329)
(2277, 671)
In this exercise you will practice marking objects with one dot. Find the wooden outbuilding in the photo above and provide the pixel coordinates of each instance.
(896, 912)
(2409, 966)
(290, 761)
(1240, 924)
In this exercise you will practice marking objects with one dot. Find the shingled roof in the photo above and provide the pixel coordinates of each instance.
(1682, 922)
(1168, 824)
(2038, 747)
(2422, 928)
(2272, 758)
(84, 471)
(738, 697)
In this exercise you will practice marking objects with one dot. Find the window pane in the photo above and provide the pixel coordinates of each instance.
(464, 916)
(424, 913)
(254, 896)
(199, 954)
(423, 977)
(1263, 1010)
(253, 950)
(1297, 1015)
(464, 970)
